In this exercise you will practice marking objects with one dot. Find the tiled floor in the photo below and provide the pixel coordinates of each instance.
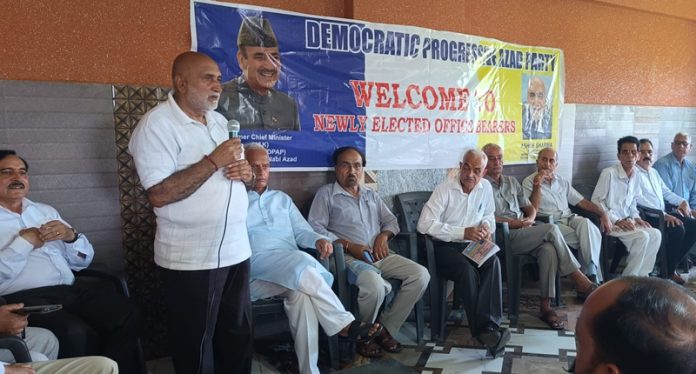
(533, 348)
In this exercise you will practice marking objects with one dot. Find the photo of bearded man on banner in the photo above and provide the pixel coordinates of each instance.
(536, 112)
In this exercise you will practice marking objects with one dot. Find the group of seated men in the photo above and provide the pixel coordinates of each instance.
(42, 248)
(463, 210)
(349, 213)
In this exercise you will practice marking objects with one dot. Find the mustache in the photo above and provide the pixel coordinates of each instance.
(16, 184)
(647, 159)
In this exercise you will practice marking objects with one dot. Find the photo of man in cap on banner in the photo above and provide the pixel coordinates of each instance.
(251, 97)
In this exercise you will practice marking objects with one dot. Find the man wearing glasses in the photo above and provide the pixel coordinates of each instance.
(679, 173)
(353, 215)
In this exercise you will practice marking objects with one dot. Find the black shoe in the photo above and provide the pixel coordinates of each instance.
(495, 341)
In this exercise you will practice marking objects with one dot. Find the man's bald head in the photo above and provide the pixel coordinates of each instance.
(184, 62)
(197, 84)
(638, 325)
(549, 152)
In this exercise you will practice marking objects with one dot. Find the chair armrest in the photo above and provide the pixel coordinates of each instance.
(656, 214)
(337, 266)
(543, 218)
(16, 346)
(586, 213)
(118, 279)
(502, 235)
(652, 212)
(411, 239)
(430, 252)
(314, 253)
(430, 258)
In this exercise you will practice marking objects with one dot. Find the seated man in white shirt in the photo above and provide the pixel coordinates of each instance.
(43, 346)
(38, 252)
(681, 228)
(616, 192)
(460, 211)
(543, 241)
(278, 268)
(550, 195)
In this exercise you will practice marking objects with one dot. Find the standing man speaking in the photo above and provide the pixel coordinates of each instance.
(192, 173)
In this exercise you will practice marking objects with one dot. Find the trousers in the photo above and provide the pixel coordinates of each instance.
(480, 287)
(312, 304)
(209, 319)
(581, 234)
(546, 243)
(78, 365)
(373, 289)
(642, 245)
(680, 239)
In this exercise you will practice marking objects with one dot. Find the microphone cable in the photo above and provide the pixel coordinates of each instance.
(209, 308)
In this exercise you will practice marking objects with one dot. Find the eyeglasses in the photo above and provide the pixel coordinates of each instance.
(683, 144)
(348, 165)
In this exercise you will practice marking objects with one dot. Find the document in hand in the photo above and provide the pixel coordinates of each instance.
(480, 251)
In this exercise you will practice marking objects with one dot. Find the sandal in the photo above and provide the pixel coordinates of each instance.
(369, 349)
(388, 342)
(494, 341)
(676, 278)
(553, 320)
(363, 331)
(582, 295)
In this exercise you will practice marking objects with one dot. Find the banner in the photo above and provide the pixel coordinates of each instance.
(409, 97)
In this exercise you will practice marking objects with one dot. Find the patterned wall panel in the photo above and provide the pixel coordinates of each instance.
(138, 220)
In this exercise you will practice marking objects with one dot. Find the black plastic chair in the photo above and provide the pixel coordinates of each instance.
(348, 293)
(408, 208)
(438, 293)
(657, 216)
(17, 347)
(273, 306)
(100, 273)
(514, 265)
(612, 247)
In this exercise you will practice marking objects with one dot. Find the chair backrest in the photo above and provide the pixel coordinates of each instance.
(408, 208)
(585, 190)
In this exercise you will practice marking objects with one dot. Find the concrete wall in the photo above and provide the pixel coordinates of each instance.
(66, 134)
(636, 52)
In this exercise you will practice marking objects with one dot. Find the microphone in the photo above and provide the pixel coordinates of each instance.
(233, 128)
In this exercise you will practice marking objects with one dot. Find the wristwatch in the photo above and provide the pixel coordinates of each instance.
(77, 236)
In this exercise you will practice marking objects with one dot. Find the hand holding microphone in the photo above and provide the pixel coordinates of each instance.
(230, 155)
(230, 150)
